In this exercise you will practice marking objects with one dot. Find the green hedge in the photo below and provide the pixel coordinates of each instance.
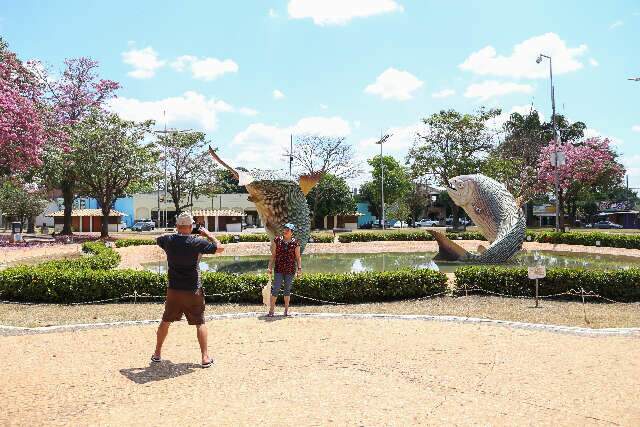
(618, 285)
(227, 238)
(28, 284)
(414, 235)
(98, 257)
(628, 241)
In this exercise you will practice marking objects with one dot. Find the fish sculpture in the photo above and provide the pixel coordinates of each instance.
(278, 201)
(496, 213)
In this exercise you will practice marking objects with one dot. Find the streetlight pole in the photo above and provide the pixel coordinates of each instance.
(555, 140)
(381, 141)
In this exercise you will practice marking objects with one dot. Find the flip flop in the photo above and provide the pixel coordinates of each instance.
(209, 363)
(155, 359)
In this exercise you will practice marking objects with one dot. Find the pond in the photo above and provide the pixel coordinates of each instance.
(345, 263)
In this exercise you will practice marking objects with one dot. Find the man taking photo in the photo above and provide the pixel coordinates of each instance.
(185, 294)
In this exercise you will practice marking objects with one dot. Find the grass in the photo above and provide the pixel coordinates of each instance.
(550, 312)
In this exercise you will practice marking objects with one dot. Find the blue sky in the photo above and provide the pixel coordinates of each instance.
(250, 73)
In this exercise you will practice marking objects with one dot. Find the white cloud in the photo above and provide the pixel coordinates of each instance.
(633, 170)
(190, 109)
(591, 133)
(616, 24)
(273, 13)
(522, 61)
(324, 106)
(593, 62)
(491, 88)
(261, 145)
(145, 62)
(356, 124)
(394, 84)
(204, 68)
(444, 93)
(497, 122)
(635, 128)
(339, 12)
(277, 94)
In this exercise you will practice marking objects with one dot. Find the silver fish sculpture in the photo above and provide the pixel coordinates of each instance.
(496, 213)
(278, 201)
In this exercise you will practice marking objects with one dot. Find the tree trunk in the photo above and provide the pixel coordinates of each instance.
(104, 229)
(455, 211)
(67, 196)
(561, 210)
(31, 225)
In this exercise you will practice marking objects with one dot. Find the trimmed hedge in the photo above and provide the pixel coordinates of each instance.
(98, 257)
(618, 285)
(227, 238)
(611, 240)
(417, 235)
(28, 284)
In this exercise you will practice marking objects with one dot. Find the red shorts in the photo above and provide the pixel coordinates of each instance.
(189, 303)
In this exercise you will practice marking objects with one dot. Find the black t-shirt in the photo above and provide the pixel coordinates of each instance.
(183, 258)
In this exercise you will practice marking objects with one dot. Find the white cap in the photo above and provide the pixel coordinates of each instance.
(184, 219)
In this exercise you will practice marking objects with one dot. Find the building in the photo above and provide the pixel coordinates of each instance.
(348, 221)
(87, 220)
(219, 220)
(622, 213)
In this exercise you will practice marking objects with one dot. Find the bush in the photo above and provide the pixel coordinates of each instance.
(618, 285)
(414, 235)
(98, 257)
(628, 241)
(123, 243)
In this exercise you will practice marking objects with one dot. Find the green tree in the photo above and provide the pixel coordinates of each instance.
(21, 201)
(110, 158)
(331, 196)
(396, 183)
(453, 144)
(226, 183)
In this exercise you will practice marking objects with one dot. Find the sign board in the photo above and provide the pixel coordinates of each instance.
(561, 158)
(537, 272)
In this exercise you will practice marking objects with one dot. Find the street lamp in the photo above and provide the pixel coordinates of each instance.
(381, 141)
(555, 139)
(635, 79)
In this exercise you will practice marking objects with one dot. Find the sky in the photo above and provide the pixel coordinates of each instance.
(252, 73)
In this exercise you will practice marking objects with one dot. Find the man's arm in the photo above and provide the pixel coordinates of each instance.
(210, 237)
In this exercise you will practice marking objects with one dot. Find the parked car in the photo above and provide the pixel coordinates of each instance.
(606, 224)
(143, 226)
(425, 222)
(123, 226)
(399, 224)
(366, 226)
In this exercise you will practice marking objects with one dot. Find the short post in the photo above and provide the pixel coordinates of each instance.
(536, 292)
(135, 296)
(584, 307)
(466, 291)
(536, 273)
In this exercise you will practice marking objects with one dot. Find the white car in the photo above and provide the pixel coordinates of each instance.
(428, 223)
(400, 224)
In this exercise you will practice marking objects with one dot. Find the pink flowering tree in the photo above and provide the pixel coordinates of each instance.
(71, 97)
(590, 165)
(22, 128)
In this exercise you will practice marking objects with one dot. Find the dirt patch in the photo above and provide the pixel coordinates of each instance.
(303, 371)
(550, 312)
(31, 255)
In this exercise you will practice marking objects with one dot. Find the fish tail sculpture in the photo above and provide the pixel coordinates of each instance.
(496, 213)
(278, 201)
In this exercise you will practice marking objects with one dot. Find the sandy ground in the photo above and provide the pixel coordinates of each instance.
(38, 253)
(566, 313)
(134, 256)
(303, 371)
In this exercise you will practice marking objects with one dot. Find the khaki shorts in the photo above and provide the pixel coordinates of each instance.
(189, 303)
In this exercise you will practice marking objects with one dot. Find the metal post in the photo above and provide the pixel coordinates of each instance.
(555, 141)
(382, 181)
(536, 292)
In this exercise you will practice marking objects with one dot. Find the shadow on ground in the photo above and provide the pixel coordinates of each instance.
(159, 371)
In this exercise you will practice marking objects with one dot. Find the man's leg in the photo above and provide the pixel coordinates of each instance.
(161, 334)
(202, 340)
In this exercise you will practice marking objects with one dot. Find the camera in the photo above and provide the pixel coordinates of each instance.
(197, 228)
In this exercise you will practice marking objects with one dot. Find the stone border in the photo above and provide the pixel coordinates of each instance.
(573, 330)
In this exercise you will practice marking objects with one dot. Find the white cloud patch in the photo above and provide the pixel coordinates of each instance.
(491, 89)
(632, 166)
(395, 84)
(635, 128)
(521, 63)
(591, 133)
(497, 122)
(616, 24)
(277, 94)
(144, 61)
(593, 62)
(273, 13)
(190, 109)
(261, 145)
(206, 69)
(339, 12)
(324, 106)
(444, 93)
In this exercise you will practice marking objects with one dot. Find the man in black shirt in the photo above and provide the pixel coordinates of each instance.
(184, 292)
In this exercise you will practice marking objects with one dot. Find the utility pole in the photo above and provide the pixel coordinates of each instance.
(290, 156)
(381, 141)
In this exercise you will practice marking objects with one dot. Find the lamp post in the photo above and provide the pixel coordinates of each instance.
(382, 141)
(555, 140)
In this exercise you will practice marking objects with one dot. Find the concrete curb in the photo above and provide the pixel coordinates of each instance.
(573, 330)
